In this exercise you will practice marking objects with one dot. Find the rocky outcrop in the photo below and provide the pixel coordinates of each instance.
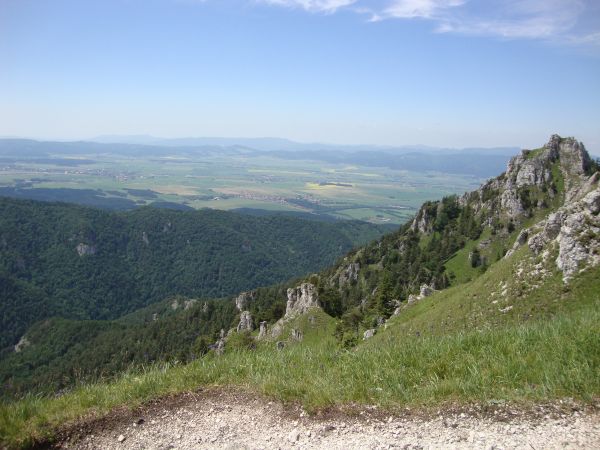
(85, 249)
(369, 334)
(565, 158)
(301, 299)
(22, 344)
(246, 323)
(187, 304)
(262, 331)
(579, 236)
(350, 273)
(423, 221)
(242, 300)
(574, 229)
(426, 290)
(219, 346)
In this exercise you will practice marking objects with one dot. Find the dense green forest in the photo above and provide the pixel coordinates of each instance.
(63, 260)
(391, 269)
(60, 352)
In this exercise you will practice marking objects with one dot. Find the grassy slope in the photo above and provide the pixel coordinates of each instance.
(545, 347)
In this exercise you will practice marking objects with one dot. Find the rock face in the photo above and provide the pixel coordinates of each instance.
(301, 299)
(349, 274)
(245, 322)
(423, 221)
(579, 236)
(574, 228)
(242, 300)
(560, 160)
(85, 249)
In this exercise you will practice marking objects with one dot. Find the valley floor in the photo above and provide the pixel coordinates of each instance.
(231, 419)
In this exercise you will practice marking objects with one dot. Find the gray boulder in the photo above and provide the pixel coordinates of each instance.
(369, 334)
(426, 290)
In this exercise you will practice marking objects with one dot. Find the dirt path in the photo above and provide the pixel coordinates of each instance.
(238, 421)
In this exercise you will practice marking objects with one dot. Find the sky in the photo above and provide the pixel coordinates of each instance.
(452, 73)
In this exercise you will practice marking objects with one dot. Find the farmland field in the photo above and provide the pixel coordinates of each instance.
(230, 181)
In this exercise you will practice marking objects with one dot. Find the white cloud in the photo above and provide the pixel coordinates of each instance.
(328, 6)
(427, 9)
(516, 19)
(575, 22)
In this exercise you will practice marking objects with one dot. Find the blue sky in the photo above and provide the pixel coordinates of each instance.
(435, 72)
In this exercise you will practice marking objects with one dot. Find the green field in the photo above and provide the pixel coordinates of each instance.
(374, 194)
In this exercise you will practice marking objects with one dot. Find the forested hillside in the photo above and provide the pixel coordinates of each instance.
(449, 243)
(82, 263)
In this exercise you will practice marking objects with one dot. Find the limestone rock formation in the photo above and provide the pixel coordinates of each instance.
(301, 299)
(574, 228)
(263, 328)
(219, 346)
(242, 300)
(85, 249)
(369, 333)
(23, 343)
(426, 290)
(187, 304)
(245, 322)
(423, 221)
(579, 236)
(561, 160)
(349, 274)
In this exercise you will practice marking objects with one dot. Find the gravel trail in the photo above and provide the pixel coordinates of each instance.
(233, 420)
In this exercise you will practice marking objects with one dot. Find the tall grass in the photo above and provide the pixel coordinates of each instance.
(521, 363)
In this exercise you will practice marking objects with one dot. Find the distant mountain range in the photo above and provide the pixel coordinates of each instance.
(479, 162)
(279, 144)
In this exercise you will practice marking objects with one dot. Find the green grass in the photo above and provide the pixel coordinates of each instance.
(530, 154)
(477, 359)
(476, 305)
